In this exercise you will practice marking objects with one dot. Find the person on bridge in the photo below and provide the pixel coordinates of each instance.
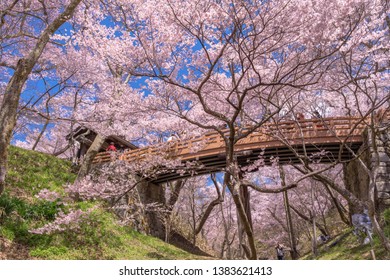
(318, 119)
(172, 137)
(111, 147)
(300, 116)
(122, 148)
(317, 114)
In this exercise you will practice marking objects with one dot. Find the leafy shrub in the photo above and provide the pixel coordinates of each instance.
(7, 204)
(40, 210)
(16, 229)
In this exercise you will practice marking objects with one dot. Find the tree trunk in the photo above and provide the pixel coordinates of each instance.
(244, 220)
(245, 198)
(176, 189)
(40, 135)
(207, 214)
(350, 197)
(308, 219)
(193, 218)
(8, 110)
(280, 221)
(222, 249)
(314, 240)
(313, 217)
(90, 155)
(178, 186)
(232, 180)
(63, 150)
(291, 234)
(226, 234)
(338, 205)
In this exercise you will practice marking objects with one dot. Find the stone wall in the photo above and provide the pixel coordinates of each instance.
(142, 208)
(356, 178)
(152, 197)
(383, 172)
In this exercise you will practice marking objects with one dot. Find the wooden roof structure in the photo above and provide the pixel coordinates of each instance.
(85, 135)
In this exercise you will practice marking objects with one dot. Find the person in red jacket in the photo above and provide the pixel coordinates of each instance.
(111, 147)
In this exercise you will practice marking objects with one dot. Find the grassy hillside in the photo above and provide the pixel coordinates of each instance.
(346, 246)
(100, 237)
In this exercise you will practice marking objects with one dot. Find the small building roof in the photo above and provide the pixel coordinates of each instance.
(86, 136)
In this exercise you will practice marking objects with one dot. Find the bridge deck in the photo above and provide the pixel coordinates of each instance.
(311, 136)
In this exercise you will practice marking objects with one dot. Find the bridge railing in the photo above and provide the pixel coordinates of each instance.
(317, 131)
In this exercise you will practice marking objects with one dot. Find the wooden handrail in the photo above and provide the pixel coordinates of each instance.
(316, 130)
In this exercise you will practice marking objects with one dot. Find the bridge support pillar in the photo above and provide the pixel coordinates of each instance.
(143, 207)
(382, 142)
(152, 196)
(356, 178)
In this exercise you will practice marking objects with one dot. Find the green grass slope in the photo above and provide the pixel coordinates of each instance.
(101, 237)
(347, 246)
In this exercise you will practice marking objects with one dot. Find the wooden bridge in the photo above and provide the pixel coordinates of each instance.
(282, 140)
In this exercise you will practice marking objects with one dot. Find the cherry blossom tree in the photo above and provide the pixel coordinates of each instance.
(240, 64)
(150, 68)
(26, 29)
(235, 64)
